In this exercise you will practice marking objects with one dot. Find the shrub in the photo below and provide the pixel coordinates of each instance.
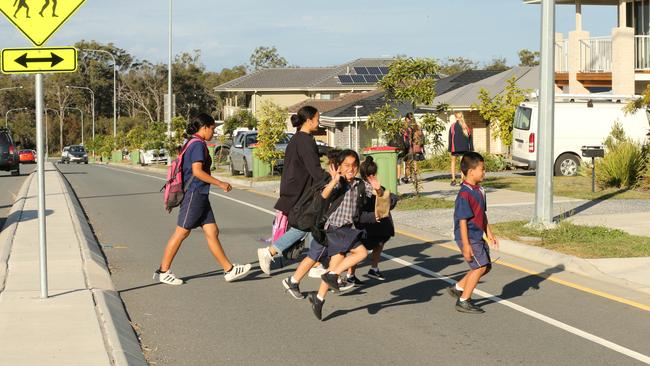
(622, 166)
(494, 163)
(442, 162)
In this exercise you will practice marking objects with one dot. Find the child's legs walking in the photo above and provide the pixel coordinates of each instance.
(356, 255)
(211, 232)
(469, 282)
(173, 244)
(335, 261)
(376, 256)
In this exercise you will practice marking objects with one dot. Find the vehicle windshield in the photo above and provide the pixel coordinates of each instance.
(77, 149)
(4, 139)
(250, 139)
(25, 151)
(522, 118)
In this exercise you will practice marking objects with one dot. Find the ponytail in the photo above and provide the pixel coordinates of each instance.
(368, 167)
(201, 120)
(305, 113)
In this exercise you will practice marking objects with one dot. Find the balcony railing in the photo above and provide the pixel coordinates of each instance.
(596, 54)
(562, 56)
(642, 52)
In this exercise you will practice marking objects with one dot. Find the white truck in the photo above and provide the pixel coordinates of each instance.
(578, 121)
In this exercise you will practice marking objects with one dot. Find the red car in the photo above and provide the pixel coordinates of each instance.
(27, 156)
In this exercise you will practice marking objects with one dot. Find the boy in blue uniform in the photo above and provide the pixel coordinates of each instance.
(471, 230)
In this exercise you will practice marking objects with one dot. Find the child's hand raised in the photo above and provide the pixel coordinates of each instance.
(372, 179)
(334, 173)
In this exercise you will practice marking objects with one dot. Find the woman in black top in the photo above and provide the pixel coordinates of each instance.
(461, 140)
(301, 169)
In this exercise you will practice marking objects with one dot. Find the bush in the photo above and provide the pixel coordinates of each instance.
(494, 163)
(442, 162)
(622, 166)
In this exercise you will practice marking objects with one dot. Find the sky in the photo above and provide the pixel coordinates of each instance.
(316, 33)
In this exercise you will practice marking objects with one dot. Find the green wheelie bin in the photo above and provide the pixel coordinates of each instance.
(386, 159)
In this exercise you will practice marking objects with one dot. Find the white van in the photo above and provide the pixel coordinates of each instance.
(577, 123)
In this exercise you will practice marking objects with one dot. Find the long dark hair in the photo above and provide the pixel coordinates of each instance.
(345, 154)
(201, 120)
(303, 114)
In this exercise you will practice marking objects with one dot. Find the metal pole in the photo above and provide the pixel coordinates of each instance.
(61, 117)
(42, 239)
(544, 189)
(169, 75)
(593, 175)
(114, 98)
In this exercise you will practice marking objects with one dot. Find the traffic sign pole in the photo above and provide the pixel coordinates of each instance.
(42, 238)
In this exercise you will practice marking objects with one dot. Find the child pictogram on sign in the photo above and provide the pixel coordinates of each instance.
(21, 4)
(47, 3)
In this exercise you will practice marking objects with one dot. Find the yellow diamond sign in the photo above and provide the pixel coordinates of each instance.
(39, 19)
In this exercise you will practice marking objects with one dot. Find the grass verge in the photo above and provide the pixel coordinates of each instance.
(409, 202)
(577, 240)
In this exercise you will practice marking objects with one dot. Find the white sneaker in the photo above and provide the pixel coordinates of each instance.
(237, 271)
(265, 258)
(167, 277)
(316, 272)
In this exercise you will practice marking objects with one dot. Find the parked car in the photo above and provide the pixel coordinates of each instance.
(27, 156)
(9, 157)
(577, 123)
(74, 154)
(154, 156)
(241, 153)
(64, 154)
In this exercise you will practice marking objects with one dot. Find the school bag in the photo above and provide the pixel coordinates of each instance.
(305, 213)
(174, 187)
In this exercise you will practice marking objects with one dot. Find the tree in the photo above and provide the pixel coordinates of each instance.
(497, 64)
(266, 58)
(272, 122)
(499, 110)
(454, 65)
(528, 58)
(243, 118)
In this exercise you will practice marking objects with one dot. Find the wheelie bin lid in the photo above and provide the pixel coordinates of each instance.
(380, 148)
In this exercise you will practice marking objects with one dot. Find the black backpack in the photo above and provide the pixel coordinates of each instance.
(310, 206)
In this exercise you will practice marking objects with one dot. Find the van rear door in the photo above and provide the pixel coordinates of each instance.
(523, 137)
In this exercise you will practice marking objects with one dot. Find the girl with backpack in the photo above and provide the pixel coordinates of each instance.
(195, 209)
(301, 170)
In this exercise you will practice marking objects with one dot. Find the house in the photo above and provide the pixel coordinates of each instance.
(289, 86)
(618, 63)
(462, 99)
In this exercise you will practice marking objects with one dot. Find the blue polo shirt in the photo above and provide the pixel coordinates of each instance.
(196, 152)
(471, 205)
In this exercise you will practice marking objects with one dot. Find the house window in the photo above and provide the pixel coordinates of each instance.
(329, 96)
(638, 16)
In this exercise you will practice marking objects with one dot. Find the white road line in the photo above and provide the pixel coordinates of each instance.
(548, 320)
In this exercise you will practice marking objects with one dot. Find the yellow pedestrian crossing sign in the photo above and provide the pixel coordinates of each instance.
(39, 60)
(39, 19)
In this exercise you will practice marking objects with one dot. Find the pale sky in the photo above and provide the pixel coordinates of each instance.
(316, 33)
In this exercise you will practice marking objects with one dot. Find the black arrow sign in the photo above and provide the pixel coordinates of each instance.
(23, 60)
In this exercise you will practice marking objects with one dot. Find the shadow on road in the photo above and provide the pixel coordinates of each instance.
(120, 195)
(587, 205)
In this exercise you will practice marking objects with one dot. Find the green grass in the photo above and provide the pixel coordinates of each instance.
(574, 187)
(409, 202)
(577, 240)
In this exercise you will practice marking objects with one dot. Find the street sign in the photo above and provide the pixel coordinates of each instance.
(39, 60)
(39, 19)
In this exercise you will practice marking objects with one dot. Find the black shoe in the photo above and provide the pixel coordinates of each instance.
(405, 180)
(454, 292)
(374, 273)
(467, 307)
(316, 305)
(453, 183)
(355, 281)
(332, 280)
(292, 288)
(344, 286)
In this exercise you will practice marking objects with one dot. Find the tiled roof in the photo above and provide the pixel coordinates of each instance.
(323, 78)
(325, 106)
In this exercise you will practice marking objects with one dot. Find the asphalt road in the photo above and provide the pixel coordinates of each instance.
(9, 187)
(407, 320)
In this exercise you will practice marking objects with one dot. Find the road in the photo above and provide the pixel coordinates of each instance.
(407, 320)
(10, 186)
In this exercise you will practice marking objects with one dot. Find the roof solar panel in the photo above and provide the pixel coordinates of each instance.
(345, 79)
(374, 70)
(384, 70)
(371, 78)
(361, 70)
(358, 79)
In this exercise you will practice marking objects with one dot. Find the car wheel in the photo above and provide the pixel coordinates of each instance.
(85, 162)
(232, 169)
(567, 165)
(247, 173)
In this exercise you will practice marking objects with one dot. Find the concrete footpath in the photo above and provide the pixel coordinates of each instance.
(83, 321)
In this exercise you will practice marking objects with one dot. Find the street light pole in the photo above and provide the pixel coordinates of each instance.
(114, 92)
(92, 98)
(169, 75)
(11, 110)
(82, 121)
(356, 125)
(47, 146)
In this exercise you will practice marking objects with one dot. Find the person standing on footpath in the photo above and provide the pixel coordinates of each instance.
(461, 141)
(302, 169)
(195, 210)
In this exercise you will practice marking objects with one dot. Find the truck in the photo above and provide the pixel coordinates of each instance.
(579, 120)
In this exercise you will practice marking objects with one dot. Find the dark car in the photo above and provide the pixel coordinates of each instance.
(9, 158)
(76, 154)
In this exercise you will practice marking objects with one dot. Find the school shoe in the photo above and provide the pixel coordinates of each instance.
(292, 288)
(316, 272)
(316, 305)
(265, 258)
(167, 278)
(237, 271)
(454, 292)
(374, 273)
(344, 286)
(467, 307)
(354, 280)
(332, 280)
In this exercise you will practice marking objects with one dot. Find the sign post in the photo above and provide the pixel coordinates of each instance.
(38, 29)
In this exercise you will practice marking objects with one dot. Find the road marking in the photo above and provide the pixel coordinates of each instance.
(546, 319)
(545, 276)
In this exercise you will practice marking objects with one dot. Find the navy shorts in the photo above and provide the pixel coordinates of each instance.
(481, 255)
(339, 240)
(195, 211)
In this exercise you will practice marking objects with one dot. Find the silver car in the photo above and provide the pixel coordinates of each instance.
(241, 153)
